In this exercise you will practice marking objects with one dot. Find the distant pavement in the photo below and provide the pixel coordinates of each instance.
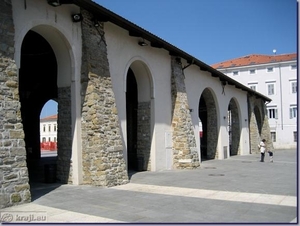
(45, 153)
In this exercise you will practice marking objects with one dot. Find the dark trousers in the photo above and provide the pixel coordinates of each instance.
(271, 156)
(262, 156)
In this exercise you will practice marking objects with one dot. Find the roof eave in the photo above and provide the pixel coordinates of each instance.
(106, 15)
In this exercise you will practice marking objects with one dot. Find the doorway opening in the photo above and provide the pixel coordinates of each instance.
(207, 114)
(37, 85)
(233, 128)
(131, 118)
(48, 129)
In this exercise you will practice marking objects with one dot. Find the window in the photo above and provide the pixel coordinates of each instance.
(253, 86)
(49, 127)
(54, 128)
(272, 112)
(49, 139)
(293, 111)
(44, 139)
(271, 88)
(293, 67)
(252, 71)
(44, 128)
(269, 69)
(295, 136)
(294, 87)
(54, 139)
(235, 72)
(273, 136)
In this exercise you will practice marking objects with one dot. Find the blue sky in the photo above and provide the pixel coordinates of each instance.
(212, 30)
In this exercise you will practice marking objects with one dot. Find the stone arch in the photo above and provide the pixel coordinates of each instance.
(208, 115)
(234, 128)
(45, 73)
(139, 115)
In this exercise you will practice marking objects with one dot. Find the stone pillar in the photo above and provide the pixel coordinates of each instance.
(184, 142)
(266, 131)
(253, 126)
(64, 135)
(102, 149)
(14, 187)
(255, 135)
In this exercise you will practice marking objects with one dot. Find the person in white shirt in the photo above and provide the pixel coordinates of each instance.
(262, 147)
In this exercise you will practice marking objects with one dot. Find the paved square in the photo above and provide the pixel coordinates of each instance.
(236, 190)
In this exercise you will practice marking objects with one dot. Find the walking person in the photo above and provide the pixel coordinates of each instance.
(262, 147)
(270, 155)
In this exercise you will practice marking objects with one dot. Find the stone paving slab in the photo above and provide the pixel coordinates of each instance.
(236, 190)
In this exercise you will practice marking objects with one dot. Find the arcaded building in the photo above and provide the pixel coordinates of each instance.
(127, 100)
(275, 76)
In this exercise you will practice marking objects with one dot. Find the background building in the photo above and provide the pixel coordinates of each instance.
(48, 129)
(276, 77)
(48, 133)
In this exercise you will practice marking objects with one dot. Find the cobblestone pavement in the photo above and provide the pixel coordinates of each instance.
(236, 190)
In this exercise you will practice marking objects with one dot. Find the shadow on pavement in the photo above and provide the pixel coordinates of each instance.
(42, 176)
(40, 189)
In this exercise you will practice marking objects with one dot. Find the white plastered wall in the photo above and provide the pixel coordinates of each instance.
(123, 52)
(196, 81)
(127, 50)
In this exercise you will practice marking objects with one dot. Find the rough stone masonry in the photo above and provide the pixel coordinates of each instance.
(102, 154)
(14, 186)
(184, 143)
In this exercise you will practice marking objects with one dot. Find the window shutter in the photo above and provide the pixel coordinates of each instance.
(276, 116)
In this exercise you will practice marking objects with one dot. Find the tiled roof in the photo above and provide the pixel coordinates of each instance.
(49, 118)
(255, 59)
